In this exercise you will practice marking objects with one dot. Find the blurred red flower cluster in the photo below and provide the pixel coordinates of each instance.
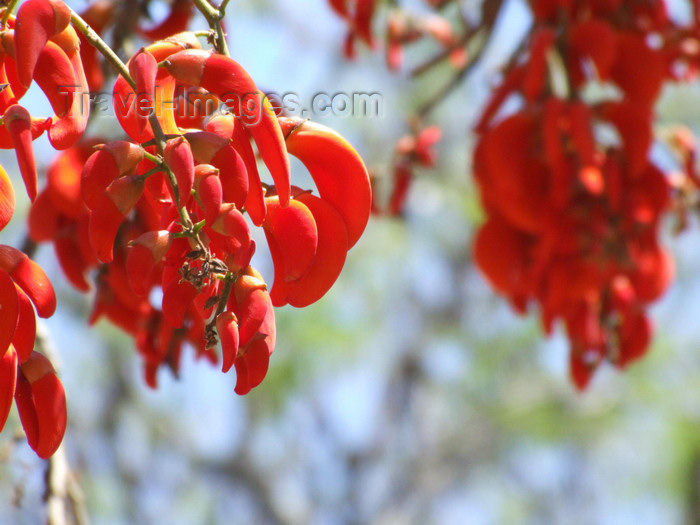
(572, 198)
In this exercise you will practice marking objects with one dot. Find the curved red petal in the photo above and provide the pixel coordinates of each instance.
(30, 278)
(8, 382)
(336, 168)
(9, 310)
(25, 334)
(330, 254)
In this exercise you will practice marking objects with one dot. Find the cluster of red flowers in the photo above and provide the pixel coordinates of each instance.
(573, 201)
(27, 376)
(160, 218)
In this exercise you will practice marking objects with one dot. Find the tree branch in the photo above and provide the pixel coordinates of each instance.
(65, 503)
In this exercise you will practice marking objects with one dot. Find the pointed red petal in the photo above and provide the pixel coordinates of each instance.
(36, 22)
(330, 254)
(227, 328)
(337, 169)
(71, 261)
(18, 123)
(178, 156)
(7, 198)
(25, 334)
(48, 400)
(8, 374)
(233, 175)
(257, 362)
(144, 68)
(9, 310)
(294, 231)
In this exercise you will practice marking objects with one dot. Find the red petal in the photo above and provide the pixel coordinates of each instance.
(177, 298)
(178, 156)
(112, 160)
(7, 198)
(25, 334)
(233, 175)
(294, 231)
(227, 328)
(44, 219)
(639, 70)
(30, 277)
(231, 224)
(64, 177)
(337, 169)
(71, 261)
(255, 200)
(581, 370)
(66, 130)
(175, 22)
(9, 310)
(36, 22)
(56, 78)
(143, 255)
(208, 187)
(252, 366)
(251, 304)
(48, 401)
(18, 123)
(144, 68)
(635, 336)
(8, 376)
(501, 253)
(104, 224)
(330, 254)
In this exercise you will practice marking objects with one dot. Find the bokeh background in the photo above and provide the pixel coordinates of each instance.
(410, 394)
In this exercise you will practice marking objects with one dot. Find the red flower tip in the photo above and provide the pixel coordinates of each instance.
(329, 258)
(336, 168)
(41, 402)
(227, 328)
(36, 22)
(109, 162)
(30, 278)
(178, 156)
(18, 123)
(8, 373)
(292, 235)
(7, 198)
(207, 185)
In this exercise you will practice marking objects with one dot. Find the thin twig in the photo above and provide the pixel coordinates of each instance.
(489, 14)
(438, 97)
(444, 53)
(99, 44)
(214, 17)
